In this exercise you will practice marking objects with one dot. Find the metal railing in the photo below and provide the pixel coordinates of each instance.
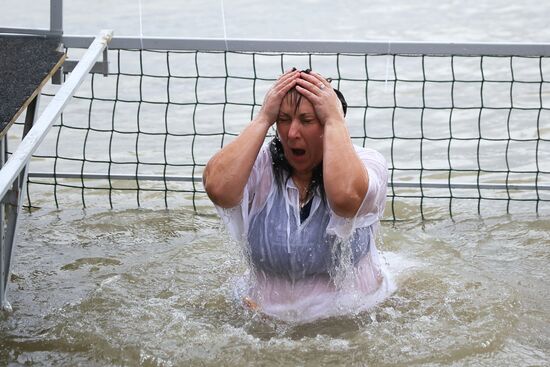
(319, 46)
(16, 166)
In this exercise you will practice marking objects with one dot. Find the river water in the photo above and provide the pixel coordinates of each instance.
(154, 287)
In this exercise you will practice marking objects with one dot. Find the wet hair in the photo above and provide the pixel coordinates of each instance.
(342, 100)
(282, 170)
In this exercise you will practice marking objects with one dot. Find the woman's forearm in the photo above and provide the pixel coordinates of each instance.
(345, 177)
(227, 172)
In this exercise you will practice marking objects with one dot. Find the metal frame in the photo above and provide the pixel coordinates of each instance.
(320, 46)
(56, 23)
(30, 32)
(14, 172)
(14, 188)
(100, 67)
(10, 204)
(172, 178)
(336, 47)
(298, 46)
(56, 16)
(371, 47)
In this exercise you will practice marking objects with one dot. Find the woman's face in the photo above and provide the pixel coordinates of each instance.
(300, 132)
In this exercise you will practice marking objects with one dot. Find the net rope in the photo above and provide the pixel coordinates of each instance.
(453, 128)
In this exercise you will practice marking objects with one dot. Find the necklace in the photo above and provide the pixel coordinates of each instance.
(305, 200)
(304, 193)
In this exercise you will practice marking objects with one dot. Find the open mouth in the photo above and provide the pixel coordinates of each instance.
(298, 152)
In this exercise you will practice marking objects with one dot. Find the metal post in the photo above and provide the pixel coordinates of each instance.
(56, 16)
(10, 206)
(3, 250)
(14, 171)
(56, 27)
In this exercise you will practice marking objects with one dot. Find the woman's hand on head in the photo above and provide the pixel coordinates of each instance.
(274, 96)
(321, 95)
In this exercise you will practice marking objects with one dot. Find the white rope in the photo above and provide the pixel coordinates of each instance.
(224, 26)
(388, 56)
(140, 24)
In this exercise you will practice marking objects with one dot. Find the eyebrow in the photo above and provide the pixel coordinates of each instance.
(302, 115)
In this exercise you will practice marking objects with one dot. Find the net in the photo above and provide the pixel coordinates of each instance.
(453, 128)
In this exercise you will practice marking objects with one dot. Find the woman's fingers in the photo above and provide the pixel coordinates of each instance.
(276, 93)
(286, 81)
(320, 93)
(314, 82)
(284, 84)
(313, 86)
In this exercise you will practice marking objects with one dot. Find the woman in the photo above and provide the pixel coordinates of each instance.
(306, 204)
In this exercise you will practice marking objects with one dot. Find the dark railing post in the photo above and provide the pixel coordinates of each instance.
(56, 16)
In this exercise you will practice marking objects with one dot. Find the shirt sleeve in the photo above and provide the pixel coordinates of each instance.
(372, 208)
(255, 194)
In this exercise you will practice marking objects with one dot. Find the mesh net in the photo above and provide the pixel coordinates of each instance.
(451, 127)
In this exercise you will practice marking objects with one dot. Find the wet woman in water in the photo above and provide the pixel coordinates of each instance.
(305, 204)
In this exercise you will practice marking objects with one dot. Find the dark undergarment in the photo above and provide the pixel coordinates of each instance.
(304, 212)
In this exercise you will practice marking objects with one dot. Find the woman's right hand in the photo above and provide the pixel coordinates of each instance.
(274, 96)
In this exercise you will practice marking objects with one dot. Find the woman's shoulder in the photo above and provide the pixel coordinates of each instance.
(262, 170)
(264, 157)
(369, 154)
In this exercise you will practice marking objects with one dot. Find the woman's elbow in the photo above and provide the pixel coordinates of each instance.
(220, 194)
(346, 205)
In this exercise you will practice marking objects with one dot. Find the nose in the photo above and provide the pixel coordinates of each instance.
(294, 130)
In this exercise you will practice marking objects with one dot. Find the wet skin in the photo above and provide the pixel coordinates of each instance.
(301, 135)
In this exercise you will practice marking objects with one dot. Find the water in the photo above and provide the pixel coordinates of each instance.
(154, 287)
(397, 20)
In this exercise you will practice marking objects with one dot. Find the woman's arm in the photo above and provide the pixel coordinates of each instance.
(346, 179)
(227, 172)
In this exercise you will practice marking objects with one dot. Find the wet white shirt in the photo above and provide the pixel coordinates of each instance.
(261, 186)
(293, 260)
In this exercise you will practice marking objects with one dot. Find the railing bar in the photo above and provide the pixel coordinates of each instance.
(494, 186)
(322, 46)
(56, 16)
(101, 176)
(432, 185)
(31, 32)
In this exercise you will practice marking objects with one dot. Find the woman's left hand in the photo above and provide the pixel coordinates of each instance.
(319, 92)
